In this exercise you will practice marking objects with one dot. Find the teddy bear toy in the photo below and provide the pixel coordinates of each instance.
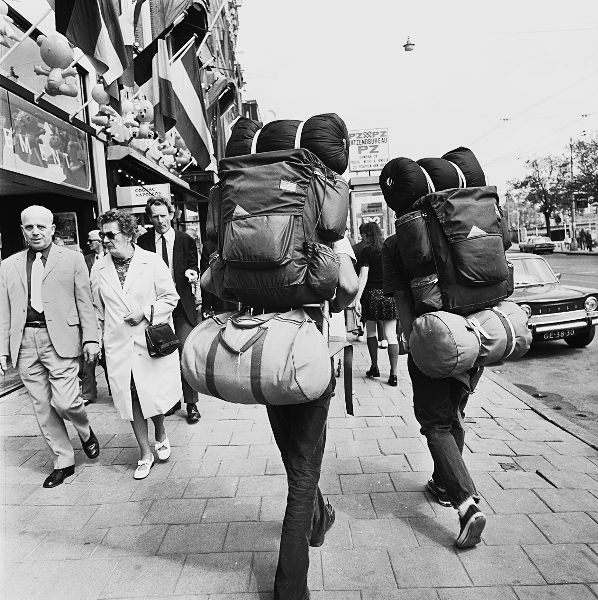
(144, 115)
(7, 31)
(129, 118)
(58, 55)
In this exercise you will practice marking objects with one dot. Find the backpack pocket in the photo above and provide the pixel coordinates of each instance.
(322, 271)
(426, 294)
(479, 261)
(415, 246)
(259, 241)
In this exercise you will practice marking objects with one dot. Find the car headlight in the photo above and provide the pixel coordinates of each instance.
(527, 309)
(591, 303)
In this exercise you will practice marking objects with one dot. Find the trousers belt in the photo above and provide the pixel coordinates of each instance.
(35, 324)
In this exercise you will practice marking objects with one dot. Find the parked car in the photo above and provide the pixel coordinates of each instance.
(556, 311)
(537, 244)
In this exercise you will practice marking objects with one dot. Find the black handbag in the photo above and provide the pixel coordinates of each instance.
(160, 339)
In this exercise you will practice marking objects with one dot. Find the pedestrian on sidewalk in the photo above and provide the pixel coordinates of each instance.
(179, 252)
(373, 305)
(300, 434)
(87, 371)
(47, 321)
(439, 406)
(130, 286)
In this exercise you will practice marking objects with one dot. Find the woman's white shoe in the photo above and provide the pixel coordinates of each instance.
(163, 449)
(143, 468)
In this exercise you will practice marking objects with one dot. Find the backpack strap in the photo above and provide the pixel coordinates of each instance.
(431, 188)
(254, 141)
(210, 366)
(298, 134)
(462, 181)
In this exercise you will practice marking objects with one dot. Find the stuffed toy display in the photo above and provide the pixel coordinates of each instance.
(7, 30)
(57, 54)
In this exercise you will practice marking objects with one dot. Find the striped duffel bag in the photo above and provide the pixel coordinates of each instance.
(444, 344)
(275, 359)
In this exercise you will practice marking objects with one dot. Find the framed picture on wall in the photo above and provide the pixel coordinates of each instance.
(67, 231)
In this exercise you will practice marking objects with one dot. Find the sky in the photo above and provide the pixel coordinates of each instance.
(510, 79)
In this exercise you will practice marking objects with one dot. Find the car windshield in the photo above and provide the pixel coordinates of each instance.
(540, 240)
(532, 271)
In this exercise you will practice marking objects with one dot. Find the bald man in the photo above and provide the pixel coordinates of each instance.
(47, 321)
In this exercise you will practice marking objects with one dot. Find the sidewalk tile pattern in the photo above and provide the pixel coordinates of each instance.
(206, 524)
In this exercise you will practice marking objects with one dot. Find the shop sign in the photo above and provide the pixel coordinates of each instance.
(368, 149)
(138, 195)
(38, 144)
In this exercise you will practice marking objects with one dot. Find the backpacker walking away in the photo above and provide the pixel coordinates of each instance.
(448, 254)
(279, 219)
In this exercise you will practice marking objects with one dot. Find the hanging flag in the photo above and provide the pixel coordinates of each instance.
(131, 11)
(92, 26)
(153, 75)
(190, 109)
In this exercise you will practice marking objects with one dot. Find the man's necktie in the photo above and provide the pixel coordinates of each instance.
(165, 251)
(37, 274)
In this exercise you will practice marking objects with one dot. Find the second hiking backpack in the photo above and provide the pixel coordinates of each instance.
(452, 247)
(274, 216)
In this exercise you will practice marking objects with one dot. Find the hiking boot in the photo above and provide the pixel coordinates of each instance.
(438, 492)
(472, 525)
(317, 542)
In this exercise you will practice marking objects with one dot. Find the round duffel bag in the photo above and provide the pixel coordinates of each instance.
(443, 344)
(273, 359)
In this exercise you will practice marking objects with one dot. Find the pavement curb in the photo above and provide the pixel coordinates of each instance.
(544, 411)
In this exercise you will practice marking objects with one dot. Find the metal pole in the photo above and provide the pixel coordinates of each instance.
(183, 49)
(573, 207)
(211, 26)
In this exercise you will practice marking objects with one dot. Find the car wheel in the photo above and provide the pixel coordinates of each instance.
(581, 340)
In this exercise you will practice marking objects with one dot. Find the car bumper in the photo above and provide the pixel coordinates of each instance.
(577, 321)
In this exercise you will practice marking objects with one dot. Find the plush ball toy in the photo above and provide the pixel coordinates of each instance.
(58, 55)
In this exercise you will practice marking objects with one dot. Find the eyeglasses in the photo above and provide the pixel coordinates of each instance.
(108, 234)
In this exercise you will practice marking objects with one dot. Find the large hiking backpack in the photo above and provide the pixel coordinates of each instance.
(452, 246)
(276, 214)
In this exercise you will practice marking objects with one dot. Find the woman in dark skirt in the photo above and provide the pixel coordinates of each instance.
(373, 305)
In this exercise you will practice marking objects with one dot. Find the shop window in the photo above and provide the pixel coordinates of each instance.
(35, 143)
(20, 68)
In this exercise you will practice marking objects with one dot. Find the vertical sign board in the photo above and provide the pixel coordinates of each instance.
(368, 149)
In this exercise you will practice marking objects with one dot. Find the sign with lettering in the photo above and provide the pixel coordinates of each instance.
(138, 195)
(368, 149)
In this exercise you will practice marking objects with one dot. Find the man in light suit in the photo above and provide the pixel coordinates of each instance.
(46, 318)
(179, 252)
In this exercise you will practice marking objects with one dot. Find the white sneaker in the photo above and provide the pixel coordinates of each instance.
(143, 468)
(383, 344)
(163, 449)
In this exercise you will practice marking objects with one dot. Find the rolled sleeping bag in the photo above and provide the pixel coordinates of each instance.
(443, 344)
(444, 174)
(402, 182)
(504, 333)
(242, 135)
(465, 160)
(325, 135)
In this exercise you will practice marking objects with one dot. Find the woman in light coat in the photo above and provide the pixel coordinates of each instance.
(126, 282)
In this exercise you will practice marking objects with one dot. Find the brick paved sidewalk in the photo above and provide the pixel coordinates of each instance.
(206, 524)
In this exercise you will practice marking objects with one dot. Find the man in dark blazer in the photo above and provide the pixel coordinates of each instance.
(179, 252)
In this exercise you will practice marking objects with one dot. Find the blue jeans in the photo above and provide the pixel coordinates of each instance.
(439, 406)
(300, 434)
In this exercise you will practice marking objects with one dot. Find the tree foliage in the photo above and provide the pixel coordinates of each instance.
(546, 185)
(585, 168)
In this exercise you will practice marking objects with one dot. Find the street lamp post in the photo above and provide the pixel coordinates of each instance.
(573, 207)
